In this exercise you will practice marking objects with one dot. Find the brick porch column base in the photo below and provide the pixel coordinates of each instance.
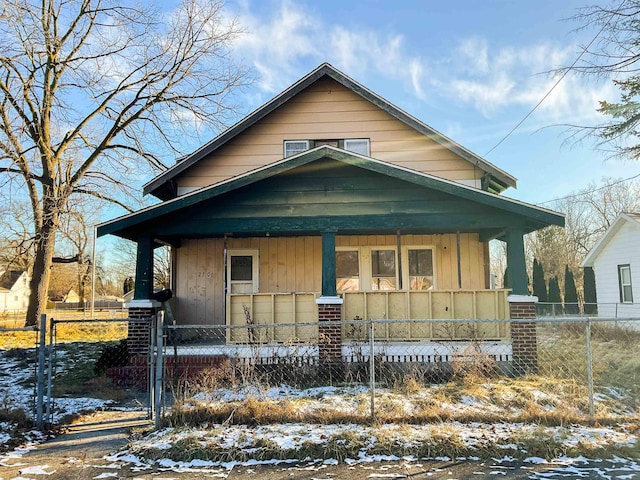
(141, 313)
(329, 336)
(524, 340)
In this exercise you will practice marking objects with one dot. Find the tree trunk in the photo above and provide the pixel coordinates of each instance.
(39, 284)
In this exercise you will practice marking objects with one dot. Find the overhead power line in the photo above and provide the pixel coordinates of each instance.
(564, 74)
(576, 195)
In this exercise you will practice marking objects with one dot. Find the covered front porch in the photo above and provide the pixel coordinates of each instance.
(329, 235)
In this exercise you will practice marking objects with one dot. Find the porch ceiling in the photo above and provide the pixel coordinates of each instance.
(329, 189)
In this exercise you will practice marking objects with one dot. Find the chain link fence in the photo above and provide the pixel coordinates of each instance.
(20, 347)
(585, 309)
(82, 360)
(573, 369)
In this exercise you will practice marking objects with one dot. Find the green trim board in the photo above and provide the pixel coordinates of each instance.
(439, 196)
(516, 262)
(143, 289)
(162, 186)
(329, 264)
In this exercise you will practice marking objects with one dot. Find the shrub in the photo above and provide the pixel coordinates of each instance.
(112, 356)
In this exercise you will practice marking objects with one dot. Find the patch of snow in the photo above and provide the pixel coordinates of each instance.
(36, 470)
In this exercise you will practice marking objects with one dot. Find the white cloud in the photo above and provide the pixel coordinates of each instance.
(277, 45)
(281, 44)
(474, 53)
(493, 79)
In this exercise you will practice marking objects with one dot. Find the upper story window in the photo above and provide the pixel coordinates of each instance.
(355, 145)
(293, 147)
(624, 280)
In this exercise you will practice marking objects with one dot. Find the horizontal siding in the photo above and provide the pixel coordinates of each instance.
(327, 110)
(622, 249)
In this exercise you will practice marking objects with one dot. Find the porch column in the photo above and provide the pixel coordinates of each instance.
(144, 269)
(522, 306)
(329, 310)
(516, 266)
(329, 264)
(524, 339)
(143, 307)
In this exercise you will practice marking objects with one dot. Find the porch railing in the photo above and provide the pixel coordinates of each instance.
(417, 305)
(290, 309)
(271, 309)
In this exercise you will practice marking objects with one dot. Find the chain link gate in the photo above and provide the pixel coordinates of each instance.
(82, 359)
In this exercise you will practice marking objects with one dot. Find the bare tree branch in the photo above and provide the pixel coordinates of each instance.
(92, 90)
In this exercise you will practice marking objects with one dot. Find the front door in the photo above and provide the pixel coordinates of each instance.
(242, 271)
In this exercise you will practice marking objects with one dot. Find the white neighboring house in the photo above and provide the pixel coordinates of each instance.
(14, 291)
(615, 260)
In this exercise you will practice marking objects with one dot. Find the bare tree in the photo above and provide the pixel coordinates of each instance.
(589, 212)
(75, 239)
(16, 241)
(614, 54)
(91, 94)
(122, 267)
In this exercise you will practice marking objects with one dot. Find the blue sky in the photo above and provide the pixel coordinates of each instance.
(470, 69)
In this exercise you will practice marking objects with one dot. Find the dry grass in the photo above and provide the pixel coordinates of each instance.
(440, 440)
(536, 400)
(67, 332)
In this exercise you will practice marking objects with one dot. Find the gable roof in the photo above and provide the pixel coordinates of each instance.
(538, 216)
(621, 220)
(499, 180)
(9, 278)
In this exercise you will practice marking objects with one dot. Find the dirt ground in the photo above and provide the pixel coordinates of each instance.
(80, 454)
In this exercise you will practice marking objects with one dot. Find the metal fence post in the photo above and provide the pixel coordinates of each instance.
(590, 371)
(52, 327)
(41, 364)
(151, 366)
(159, 364)
(372, 370)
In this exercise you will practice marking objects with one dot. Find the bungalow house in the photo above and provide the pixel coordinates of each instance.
(14, 291)
(328, 202)
(616, 264)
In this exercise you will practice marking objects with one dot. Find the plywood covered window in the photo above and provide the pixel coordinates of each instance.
(242, 271)
(624, 279)
(347, 270)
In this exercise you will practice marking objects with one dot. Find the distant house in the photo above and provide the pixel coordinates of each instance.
(14, 290)
(615, 259)
(71, 297)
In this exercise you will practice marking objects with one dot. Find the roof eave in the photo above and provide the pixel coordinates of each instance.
(602, 242)
(502, 180)
(537, 216)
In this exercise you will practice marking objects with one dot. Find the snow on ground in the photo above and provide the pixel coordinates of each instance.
(17, 391)
(295, 436)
